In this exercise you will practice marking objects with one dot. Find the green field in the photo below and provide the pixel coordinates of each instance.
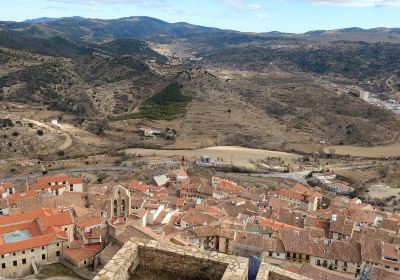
(168, 104)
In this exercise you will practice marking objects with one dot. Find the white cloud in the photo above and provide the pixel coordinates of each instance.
(242, 5)
(234, 3)
(254, 6)
(111, 2)
(359, 3)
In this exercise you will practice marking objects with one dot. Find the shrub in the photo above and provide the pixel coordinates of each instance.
(40, 132)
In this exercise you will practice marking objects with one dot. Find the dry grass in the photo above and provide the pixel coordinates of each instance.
(390, 150)
(239, 156)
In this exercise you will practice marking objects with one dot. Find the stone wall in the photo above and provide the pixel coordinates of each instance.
(181, 264)
(181, 261)
(122, 264)
(185, 262)
(269, 272)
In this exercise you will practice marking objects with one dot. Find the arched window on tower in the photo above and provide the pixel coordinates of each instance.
(115, 206)
(123, 207)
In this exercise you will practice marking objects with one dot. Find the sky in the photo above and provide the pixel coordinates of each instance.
(296, 16)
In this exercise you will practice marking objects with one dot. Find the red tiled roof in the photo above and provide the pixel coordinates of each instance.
(52, 179)
(230, 187)
(49, 217)
(87, 221)
(133, 184)
(80, 252)
(57, 179)
(379, 274)
(12, 199)
(30, 243)
(313, 272)
(6, 185)
(181, 173)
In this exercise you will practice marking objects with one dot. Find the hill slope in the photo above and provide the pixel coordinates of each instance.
(267, 90)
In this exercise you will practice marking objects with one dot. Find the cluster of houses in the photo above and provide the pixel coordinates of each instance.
(59, 218)
(328, 179)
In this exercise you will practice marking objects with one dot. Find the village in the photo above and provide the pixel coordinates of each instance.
(320, 231)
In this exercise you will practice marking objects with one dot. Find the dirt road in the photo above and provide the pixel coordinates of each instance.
(65, 145)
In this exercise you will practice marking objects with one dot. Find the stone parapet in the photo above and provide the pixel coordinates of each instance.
(184, 262)
(270, 272)
(122, 264)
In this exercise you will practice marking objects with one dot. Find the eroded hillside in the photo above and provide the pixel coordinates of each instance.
(277, 91)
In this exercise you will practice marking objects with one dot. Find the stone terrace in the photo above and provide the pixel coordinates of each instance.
(187, 263)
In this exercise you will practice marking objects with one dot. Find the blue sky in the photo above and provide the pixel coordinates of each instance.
(244, 15)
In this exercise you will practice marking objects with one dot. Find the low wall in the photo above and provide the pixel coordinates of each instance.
(181, 261)
(269, 272)
(83, 273)
(186, 263)
(183, 265)
(122, 264)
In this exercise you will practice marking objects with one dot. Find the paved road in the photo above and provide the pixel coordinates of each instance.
(297, 176)
(67, 170)
(301, 175)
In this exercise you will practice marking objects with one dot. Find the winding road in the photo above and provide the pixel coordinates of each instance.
(65, 145)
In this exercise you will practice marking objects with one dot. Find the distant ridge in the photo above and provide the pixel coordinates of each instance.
(40, 20)
(180, 28)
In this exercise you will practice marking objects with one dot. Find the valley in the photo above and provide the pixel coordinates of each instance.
(270, 91)
(137, 148)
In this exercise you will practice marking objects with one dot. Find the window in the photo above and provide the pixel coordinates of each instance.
(15, 263)
(3, 265)
(65, 229)
(319, 262)
(84, 262)
(307, 257)
(23, 261)
(396, 269)
(58, 253)
(14, 254)
(270, 254)
(2, 256)
(288, 255)
(43, 248)
(32, 250)
(23, 252)
(43, 256)
(58, 244)
(71, 188)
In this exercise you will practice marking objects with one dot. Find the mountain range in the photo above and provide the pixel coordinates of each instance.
(300, 86)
